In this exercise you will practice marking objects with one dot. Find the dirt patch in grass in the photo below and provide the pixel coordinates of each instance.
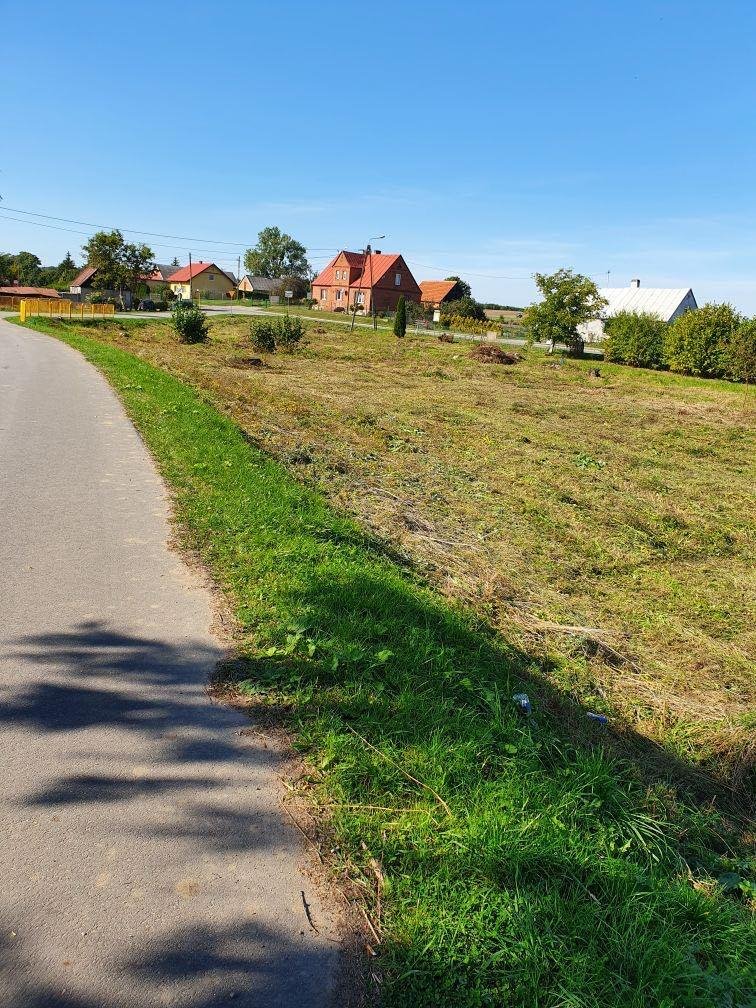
(603, 522)
(489, 353)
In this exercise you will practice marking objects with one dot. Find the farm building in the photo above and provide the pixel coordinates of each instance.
(251, 286)
(665, 303)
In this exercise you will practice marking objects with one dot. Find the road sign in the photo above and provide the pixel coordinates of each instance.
(289, 294)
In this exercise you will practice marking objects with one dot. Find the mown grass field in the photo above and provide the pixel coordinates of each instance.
(528, 528)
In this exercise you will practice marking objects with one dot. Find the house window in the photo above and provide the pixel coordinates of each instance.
(338, 295)
(338, 274)
(360, 299)
(211, 276)
(398, 280)
(323, 294)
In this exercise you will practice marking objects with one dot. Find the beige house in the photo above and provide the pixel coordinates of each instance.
(205, 280)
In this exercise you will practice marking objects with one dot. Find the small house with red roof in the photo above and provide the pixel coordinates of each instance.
(202, 279)
(367, 282)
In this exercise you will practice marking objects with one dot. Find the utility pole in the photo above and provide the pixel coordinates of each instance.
(238, 274)
(190, 276)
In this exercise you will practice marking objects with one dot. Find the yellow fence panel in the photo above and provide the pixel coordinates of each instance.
(60, 308)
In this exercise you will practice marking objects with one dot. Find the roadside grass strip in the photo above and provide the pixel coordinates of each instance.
(504, 858)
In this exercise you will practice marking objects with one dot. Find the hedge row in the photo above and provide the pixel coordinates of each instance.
(713, 341)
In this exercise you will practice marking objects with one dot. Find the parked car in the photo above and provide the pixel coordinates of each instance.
(146, 305)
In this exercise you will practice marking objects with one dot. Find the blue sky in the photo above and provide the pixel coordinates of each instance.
(486, 139)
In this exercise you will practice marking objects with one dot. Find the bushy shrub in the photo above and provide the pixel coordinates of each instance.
(283, 333)
(189, 323)
(635, 338)
(465, 307)
(697, 343)
(467, 325)
(263, 336)
(289, 332)
(739, 357)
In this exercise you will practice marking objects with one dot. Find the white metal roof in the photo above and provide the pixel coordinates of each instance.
(660, 301)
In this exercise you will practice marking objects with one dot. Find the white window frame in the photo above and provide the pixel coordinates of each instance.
(323, 294)
(398, 280)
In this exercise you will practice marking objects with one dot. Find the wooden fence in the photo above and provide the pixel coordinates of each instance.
(60, 308)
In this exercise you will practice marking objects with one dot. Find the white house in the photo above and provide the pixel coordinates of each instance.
(665, 303)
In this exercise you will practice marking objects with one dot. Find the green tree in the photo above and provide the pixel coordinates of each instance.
(65, 271)
(400, 319)
(300, 287)
(27, 267)
(568, 300)
(276, 255)
(119, 264)
(698, 342)
(7, 267)
(463, 289)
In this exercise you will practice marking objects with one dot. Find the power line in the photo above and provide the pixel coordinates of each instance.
(151, 234)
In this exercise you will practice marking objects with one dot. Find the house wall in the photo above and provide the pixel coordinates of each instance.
(385, 295)
(211, 283)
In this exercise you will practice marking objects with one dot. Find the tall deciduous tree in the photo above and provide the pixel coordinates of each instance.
(463, 289)
(276, 255)
(28, 266)
(568, 300)
(7, 267)
(119, 264)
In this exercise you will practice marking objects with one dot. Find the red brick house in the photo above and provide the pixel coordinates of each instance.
(351, 276)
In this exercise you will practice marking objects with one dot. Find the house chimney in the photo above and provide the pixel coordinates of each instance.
(635, 283)
(377, 252)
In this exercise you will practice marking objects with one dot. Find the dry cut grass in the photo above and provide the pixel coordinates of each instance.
(603, 523)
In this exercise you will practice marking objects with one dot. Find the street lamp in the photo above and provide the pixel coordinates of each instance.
(369, 253)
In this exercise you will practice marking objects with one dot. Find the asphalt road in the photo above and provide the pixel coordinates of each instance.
(145, 859)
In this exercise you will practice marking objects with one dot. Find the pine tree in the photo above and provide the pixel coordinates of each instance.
(400, 319)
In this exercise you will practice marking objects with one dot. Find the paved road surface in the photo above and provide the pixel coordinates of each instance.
(144, 857)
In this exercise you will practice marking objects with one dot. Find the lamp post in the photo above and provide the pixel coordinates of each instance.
(369, 253)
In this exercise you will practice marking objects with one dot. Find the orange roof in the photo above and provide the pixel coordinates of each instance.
(434, 291)
(182, 275)
(373, 267)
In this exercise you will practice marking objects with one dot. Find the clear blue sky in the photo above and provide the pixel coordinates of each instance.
(486, 139)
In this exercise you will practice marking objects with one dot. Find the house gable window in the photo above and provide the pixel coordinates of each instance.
(398, 280)
(211, 276)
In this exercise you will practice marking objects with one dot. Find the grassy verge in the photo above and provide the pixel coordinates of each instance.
(526, 861)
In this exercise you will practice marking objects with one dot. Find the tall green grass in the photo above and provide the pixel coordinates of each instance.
(526, 861)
